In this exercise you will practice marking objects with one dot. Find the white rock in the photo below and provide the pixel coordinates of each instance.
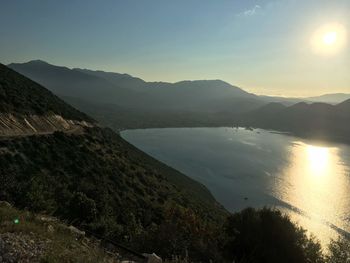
(152, 258)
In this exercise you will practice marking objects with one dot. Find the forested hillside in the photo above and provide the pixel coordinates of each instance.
(97, 181)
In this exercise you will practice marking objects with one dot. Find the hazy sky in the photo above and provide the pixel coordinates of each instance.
(262, 46)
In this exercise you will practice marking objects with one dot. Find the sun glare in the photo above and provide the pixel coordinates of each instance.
(318, 159)
(329, 39)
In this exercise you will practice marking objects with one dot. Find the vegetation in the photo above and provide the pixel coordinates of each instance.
(247, 237)
(267, 236)
(339, 251)
(99, 182)
(54, 240)
(20, 95)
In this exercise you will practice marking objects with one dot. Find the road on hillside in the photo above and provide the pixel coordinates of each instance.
(77, 129)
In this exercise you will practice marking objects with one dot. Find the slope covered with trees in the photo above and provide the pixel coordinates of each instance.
(99, 182)
(20, 95)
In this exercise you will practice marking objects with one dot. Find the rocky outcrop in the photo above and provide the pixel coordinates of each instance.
(20, 247)
(152, 258)
(17, 125)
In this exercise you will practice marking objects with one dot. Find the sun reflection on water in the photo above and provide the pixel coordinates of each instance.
(318, 159)
(316, 187)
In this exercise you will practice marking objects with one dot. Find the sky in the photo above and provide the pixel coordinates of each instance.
(262, 46)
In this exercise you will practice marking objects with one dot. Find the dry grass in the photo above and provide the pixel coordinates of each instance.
(62, 244)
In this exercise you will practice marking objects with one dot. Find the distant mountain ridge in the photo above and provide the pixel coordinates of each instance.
(122, 101)
(332, 98)
(123, 80)
(68, 82)
(316, 120)
(127, 91)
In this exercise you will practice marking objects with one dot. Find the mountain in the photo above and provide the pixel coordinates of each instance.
(185, 93)
(89, 176)
(28, 108)
(202, 96)
(343, 107)
(283, 100)
(130, 92)
(122, 101)
(330, 98)
(207, 90)
(122, 80)
(21, 95)
(68, 82)
(315, 120)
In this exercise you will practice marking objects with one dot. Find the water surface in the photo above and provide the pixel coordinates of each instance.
(308, 180)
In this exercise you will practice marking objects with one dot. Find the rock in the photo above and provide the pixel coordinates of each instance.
(152, 258)
(19, 247)
(45, 218)
(2, 244)
(9, 258)
(76, 231)
(50, 229)
(5, 204)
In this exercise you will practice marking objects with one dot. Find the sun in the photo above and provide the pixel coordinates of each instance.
(329, 39)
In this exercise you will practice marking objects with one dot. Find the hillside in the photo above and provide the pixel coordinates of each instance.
(19, 94)
(93, 178)
(29, 237)
(315, 120)
(28, 108)
(68, 82)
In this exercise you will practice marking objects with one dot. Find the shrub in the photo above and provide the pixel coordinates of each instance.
(267, 236)
(339, 251)
(82, 208)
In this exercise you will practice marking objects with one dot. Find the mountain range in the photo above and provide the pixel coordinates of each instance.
(313, 120)
(333, 98)
(122, 101)
(127, 91)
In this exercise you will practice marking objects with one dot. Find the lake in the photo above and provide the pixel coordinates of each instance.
(308, 180)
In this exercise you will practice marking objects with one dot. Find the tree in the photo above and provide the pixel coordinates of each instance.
(339, 251)
(267, 236)
(82, 208)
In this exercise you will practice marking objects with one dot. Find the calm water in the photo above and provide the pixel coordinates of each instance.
(310, 181)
